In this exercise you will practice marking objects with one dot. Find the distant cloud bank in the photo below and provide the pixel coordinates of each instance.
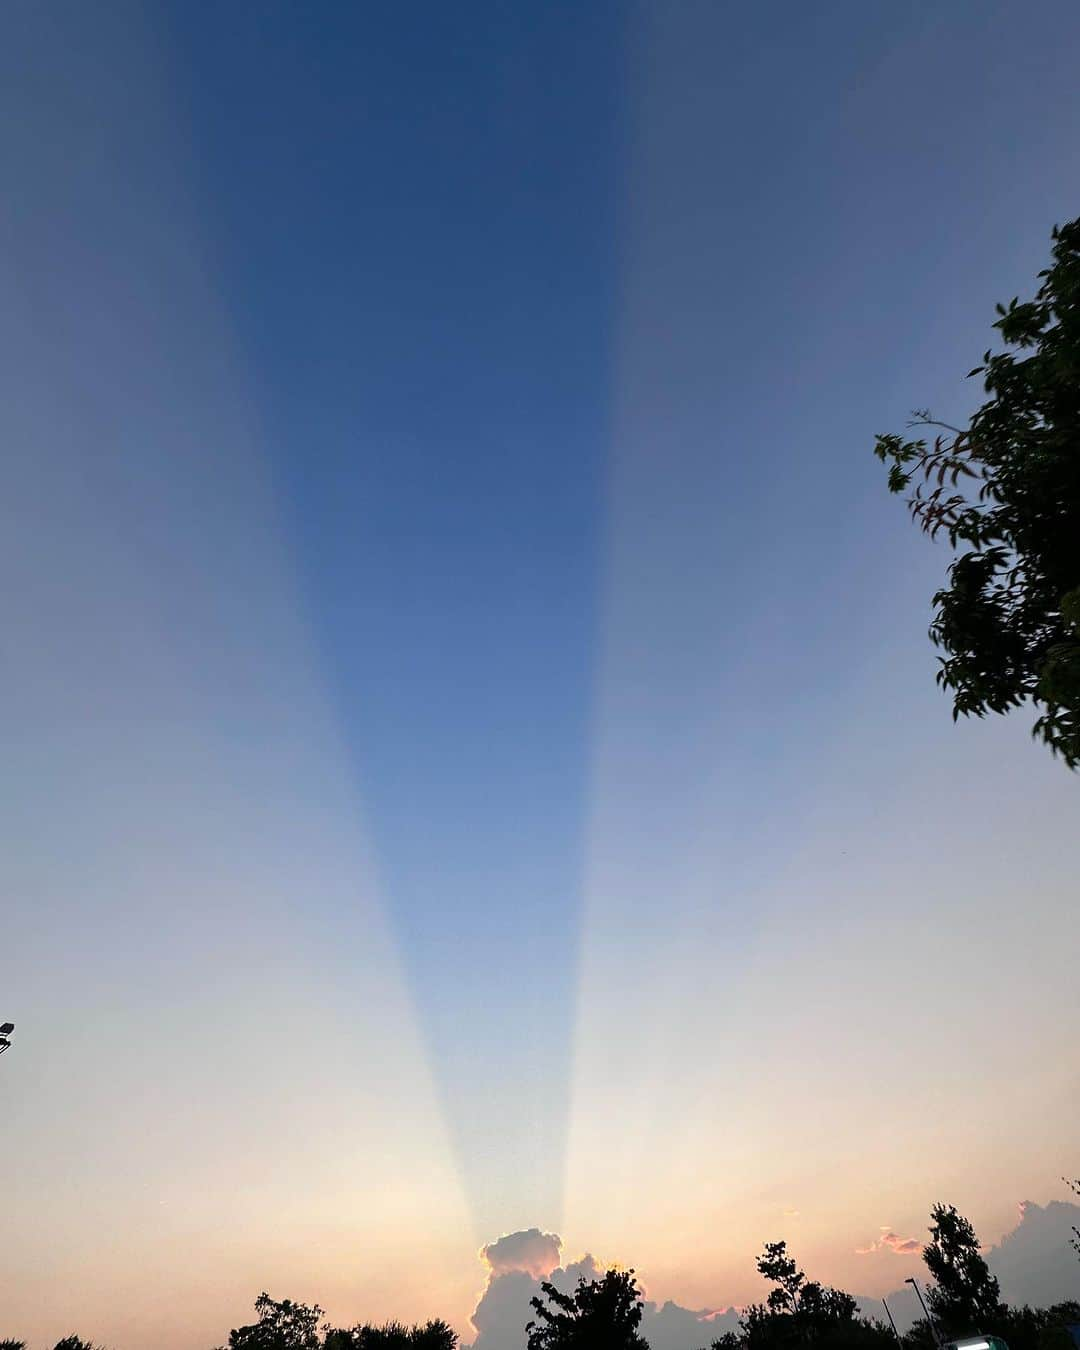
(519, 1262)
(1034, 1263)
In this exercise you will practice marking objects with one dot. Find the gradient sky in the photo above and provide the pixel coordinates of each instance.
(472, 757)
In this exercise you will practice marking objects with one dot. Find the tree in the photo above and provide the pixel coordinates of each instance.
(1009, 619)
(1039, 1328)
(801, 1311)
(12, 1345)
(601, 1314)
(74, 1343)
(775, 1265)
(1074, 1186)
(433, 1335)
(281, 1326)
(964, 1298)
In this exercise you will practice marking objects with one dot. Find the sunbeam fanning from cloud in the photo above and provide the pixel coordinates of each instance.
(472, 759)
(220, 1083)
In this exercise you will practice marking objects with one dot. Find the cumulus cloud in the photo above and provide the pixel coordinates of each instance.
(528, 1250)
(517, 1264)
(891, 1242)
(1034, 1262)
(500, 1316)
(672, 1327)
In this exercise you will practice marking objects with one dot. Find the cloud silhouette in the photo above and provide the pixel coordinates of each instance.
(500, 1316)
(527, 1250)
(517, 1264)
(1034, 1262)
(891, 1242)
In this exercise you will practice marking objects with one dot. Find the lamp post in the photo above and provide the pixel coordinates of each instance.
(889, 1315)
(6, 1028)
(933, 1325)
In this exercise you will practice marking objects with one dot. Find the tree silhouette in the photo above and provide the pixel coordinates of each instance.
(802, 1311)
(68, 1343)
(281, 1326)
(1074, 1241)
(433, 1335)
(1039, 1328)
(1009, 619)
(286, 1325)
(601, 1314)
(964, 1298)
(775, 1265)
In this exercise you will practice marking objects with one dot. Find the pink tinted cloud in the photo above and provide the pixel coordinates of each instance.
(893, 1242)
(529, 1251)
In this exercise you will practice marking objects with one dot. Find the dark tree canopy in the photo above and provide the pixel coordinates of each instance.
(601, 1314)
(1038, 1328)
(281, 1326)
(68, 1343)
(286, 1325)
(434, 1335)
(964, 1298)
(783, 1271)
(1074, 1241)
(1005, 492)
(799, 1311)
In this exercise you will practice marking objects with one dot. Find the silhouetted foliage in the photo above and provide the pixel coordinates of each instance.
(799, 1311)
(1037, 1328)
(1074, 1241)
(775, 1265)
(1020, 1328)
(606, 1313)
(281, 1326)
(601, 1314)
(964, 1298)
(68, 1343)
(433, 1335)
(920, 1336)
(1009, 619)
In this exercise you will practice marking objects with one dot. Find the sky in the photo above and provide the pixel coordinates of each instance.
(472, 755)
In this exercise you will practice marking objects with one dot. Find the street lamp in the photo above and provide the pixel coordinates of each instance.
(933, 1325)
(6, 1028)
(889, 1315)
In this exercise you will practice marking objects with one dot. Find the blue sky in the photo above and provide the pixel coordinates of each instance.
(455, 606)
(415, 218)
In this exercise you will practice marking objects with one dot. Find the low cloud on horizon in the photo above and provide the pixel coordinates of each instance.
(1034, 1263)
(519, 1262)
